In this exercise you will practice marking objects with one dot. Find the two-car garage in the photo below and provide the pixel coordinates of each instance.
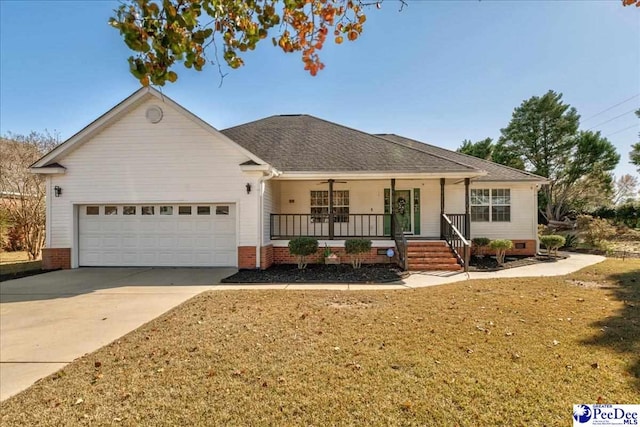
(168, 234)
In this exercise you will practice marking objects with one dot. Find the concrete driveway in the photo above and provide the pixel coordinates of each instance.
(48, 320)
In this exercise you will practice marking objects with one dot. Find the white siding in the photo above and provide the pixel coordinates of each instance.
(175, 160)
(524, 218)
(271, 204)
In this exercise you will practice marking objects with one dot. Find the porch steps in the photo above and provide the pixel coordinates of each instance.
(431, 256)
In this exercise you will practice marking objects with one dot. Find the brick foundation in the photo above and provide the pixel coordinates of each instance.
(282, 256)
(247, 257)
(529, 248)
(55, 258)
(266, 257)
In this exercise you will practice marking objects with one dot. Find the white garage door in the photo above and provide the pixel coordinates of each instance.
(179, 235)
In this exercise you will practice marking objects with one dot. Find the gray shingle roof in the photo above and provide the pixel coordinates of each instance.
(495, 171)
(304, 143)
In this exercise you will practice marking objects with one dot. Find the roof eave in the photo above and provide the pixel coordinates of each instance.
(314, 175)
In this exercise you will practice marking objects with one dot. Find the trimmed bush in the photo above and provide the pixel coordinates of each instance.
(479, 245)
(356, 248)
(501, 246)
(302, 247)
(552, 242)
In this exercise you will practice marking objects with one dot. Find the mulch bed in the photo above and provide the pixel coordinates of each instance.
(319, 273)
(489, 263)
(21, 274)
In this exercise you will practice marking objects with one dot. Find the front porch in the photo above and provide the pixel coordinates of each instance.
(392, 213)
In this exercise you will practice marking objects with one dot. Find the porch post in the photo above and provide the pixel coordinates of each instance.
(331, 225)
(467, 214)
(441, 208)
(392, 206)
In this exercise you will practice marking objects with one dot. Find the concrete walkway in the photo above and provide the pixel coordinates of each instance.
(49, 320)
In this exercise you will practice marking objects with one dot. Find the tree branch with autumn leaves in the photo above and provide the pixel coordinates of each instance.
(165, 32)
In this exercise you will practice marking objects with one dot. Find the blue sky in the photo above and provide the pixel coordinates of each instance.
(439, 71)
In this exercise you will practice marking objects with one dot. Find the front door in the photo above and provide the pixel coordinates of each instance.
(402, 209)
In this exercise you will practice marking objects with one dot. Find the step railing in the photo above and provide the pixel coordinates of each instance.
(460, 246)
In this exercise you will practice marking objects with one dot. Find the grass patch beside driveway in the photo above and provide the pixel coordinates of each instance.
(481, 352)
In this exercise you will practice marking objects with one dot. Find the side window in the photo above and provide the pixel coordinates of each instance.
(93, 210)
(128, 210)
(204, 210)
(222, 210)
(166, 210)
(184, 210)
(111, 210)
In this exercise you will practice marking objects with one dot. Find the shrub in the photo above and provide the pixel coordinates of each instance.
(479, 244)
(570, 240)
(552, 242)
(596, 230)
(501, 246)
(356, 248)
(302, 247)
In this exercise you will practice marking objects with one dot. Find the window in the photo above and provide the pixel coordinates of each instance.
(491, 205)
(501, 205)
(166, 210)
(128, 210)
(204, 210)
(320, 206)
(222, 210)
(148, 210)
(184, 210)
(93, 210)
(111, 210)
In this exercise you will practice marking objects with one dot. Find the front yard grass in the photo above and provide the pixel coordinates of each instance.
(490, 352)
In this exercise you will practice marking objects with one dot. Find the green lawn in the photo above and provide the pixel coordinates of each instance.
(495, 352)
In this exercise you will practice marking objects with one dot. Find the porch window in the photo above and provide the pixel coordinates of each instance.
(490, 205)
(320, 206)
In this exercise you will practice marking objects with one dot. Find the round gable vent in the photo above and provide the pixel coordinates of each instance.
(154, 114)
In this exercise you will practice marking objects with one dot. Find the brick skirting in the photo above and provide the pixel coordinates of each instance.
(55, 258)
(247, 257)
(529, 248)
(266, 257)
(282, 256)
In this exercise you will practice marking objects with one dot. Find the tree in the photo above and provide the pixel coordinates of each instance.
(179, 31)
(543, 133)
(634, 155)
(482, 149)
(625, 189)
(24, 192)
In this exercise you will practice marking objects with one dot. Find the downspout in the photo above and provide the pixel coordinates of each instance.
(261, 185)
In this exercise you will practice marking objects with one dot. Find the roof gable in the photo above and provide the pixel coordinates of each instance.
(303, 143)
(117, 112)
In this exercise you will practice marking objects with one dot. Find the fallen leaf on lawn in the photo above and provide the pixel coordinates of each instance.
(556, 342)
(508, 334)
(160, 370)
(79, 401)
(595, 365)
(600, 400)
(515, 356)
(469, 351)
(406, 406)
(336, 348)
(97, 364)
